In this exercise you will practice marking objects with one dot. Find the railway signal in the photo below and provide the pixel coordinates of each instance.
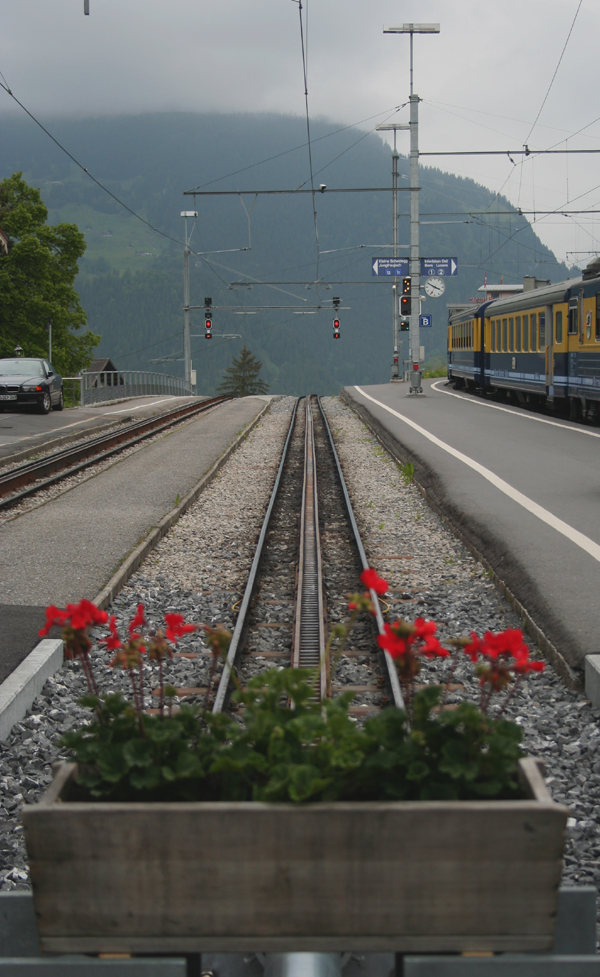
(208, 325)
(405, 302)
(336, 328)
(405, 325)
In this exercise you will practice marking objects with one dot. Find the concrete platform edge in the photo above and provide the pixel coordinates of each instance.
(133, 561)
(22, 686)
(551, 653)
(19, 690)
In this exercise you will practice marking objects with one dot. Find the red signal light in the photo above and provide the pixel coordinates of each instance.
(405, 305)
(336, 335)
(415, 366)
(336, 323)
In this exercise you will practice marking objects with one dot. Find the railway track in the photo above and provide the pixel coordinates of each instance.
(308, 557)
(23, 481)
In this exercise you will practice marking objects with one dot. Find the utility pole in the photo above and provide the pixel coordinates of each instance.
(395, 290)
(414, 351)
(187, 347)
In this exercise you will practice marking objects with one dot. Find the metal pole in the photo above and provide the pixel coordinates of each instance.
(187, 349)
(415, 260)
(50, 340)
(395, 295)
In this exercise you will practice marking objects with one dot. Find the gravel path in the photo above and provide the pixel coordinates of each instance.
(199, 569)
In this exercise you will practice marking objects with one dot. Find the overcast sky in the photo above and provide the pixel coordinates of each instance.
(483, 79)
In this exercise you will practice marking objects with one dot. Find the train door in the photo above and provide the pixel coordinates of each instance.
(548, 326)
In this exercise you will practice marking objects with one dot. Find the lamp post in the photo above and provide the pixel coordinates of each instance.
(187, 349)
(395, 292)
(415, 258)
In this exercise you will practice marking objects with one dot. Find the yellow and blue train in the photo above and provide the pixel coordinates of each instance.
(543, 345)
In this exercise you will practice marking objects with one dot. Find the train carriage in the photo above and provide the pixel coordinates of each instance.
(543, 344)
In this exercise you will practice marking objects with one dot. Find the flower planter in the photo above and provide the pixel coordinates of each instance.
(376, 876)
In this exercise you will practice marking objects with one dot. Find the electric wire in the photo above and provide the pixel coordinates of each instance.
(310, 164)
(555, 72)
(85, 170)
(294, 149)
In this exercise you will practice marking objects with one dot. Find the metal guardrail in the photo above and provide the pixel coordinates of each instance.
(95, 388)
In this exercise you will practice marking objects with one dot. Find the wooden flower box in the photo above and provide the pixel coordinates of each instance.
(378, 876)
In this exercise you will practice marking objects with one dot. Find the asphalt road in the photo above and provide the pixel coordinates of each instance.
(70, 547)
(25, 429)
(524, 488)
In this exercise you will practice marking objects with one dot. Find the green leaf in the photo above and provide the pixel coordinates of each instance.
(138, 753)
(146, 779)
(112, 763)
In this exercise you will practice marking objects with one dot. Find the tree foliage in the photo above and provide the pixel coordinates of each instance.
(241, 378)
(36, 281)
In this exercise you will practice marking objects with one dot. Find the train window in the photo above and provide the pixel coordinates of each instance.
(493, 342)
(504, 334)
(533, 332)
(573, 323)
(526, 333)
(518, 334)
(558, 327)
(598, 318)
(543, 330)
(511, 331)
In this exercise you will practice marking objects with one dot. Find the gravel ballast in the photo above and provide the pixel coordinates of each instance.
(200, 567)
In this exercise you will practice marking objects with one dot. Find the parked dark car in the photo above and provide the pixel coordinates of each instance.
(26, 381)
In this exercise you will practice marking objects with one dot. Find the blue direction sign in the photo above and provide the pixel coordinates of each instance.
(425, 321)
(398, 267)
(439, 266)
(394, 267)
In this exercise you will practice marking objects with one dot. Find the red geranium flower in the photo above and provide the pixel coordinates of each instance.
(176, 626)
(138, 620)
(113, 641)
(373, 581)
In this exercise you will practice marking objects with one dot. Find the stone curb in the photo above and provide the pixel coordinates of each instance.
(551, 653)
(19, 690)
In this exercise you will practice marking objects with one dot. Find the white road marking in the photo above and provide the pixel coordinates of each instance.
(584, 542)
(126, 409)
(54, 430)
(507, 410)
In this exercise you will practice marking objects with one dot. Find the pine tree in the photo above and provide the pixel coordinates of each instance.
(241, 379)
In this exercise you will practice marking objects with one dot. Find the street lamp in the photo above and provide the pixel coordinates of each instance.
(187, 348)
(415, 259)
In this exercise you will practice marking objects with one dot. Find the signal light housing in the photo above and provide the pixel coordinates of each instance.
(405, 326)
(406, 286)
(208, 325)
(405, 305)
(336, 324)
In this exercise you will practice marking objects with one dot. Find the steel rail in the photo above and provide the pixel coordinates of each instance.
(241, 621)
(391, 668)
(308, 647)
(59, 466)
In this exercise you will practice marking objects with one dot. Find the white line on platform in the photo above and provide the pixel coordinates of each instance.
(584, 542)
(517, 413)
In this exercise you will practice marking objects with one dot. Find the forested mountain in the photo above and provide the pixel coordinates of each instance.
(131, 279)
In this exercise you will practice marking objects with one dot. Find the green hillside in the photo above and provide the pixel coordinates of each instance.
(131, 281)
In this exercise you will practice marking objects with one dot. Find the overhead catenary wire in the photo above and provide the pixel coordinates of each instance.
(310, 164)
